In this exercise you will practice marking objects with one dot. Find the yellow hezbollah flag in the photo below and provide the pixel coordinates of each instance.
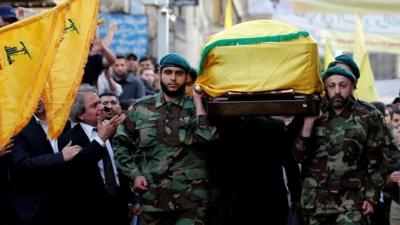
(67, 70)
(257, 56)
(343, 6)
(328, 54)
(228, 14)
(366, 84)
(27, 51)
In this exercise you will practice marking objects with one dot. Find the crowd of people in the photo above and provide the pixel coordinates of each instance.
(139, 148)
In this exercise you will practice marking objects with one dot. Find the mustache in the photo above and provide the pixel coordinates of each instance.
(337, 96)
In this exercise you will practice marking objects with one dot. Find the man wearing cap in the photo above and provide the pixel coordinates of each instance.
(7, 15)
(348, 63)
(348, 151)
(159, 147)
(191, 78)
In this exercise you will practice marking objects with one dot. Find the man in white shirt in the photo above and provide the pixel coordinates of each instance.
(35, 162)
(92, 191)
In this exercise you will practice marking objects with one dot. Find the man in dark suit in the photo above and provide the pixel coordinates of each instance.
(92, 188)
(6, 208)
(34, 165)
(249, 182)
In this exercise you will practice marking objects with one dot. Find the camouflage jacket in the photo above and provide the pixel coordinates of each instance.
(345, 160)
(163, 142)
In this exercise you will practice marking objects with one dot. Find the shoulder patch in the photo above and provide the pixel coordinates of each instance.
(148, 101)
(144, 98)
(371, 109)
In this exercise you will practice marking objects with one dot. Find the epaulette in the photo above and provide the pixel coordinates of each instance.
(144, 98)
(367, 105)
(370, 108)
(147, 101)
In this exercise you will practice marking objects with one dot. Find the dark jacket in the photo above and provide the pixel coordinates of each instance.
(34, 169)
(254, 151)
(86, 199)
(132, 88)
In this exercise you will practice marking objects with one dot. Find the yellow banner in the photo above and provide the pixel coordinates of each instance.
(366, 83)
(27, 51)
(345, 5)
(67, 71)
(344, 41)
(328, 54)
(228, 14)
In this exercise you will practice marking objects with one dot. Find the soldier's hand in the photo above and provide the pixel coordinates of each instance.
(367, 208)
(70, 151)
(198, 95)
(308, 125)
(6, 149)
(140, 184)
(394, 177)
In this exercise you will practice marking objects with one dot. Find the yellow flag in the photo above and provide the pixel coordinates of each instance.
(27, 51)
(328, 54)
(67, 70)
(345, 6)
(228, 14)
(366, 84)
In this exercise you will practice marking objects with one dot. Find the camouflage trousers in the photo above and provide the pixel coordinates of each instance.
(194, 216)
(346, 218)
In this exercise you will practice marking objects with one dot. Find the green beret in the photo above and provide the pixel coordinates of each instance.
(348, 60)
(193, 73)
(174, 60)
(337, 70)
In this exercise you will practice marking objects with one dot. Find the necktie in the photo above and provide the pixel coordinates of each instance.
(109, 175)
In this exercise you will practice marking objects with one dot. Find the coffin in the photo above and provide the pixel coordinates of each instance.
(263, 104)
(249, 68)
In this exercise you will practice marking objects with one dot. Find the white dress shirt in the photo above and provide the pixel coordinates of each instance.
(53, 142)
(93, 135)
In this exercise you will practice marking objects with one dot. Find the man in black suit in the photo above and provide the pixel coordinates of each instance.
(6, 208)
(92, 186)
(34, 165)
(249, 182)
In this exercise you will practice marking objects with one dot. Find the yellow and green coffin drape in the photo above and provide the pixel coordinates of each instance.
(258, 56)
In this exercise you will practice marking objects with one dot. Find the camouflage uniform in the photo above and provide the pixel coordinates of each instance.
(345, 161)
(161, 141)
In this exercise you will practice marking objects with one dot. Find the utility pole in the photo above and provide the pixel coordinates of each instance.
(163, 30)
(162, 25)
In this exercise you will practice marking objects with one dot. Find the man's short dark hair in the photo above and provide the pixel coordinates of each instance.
(396, 111)
(131, 56)
(145, 58)
(120, 57)
(152, 60)
(396, 100)
(109, 94)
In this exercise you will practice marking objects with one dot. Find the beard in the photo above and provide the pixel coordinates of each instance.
(338, 102)
(178, 92)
